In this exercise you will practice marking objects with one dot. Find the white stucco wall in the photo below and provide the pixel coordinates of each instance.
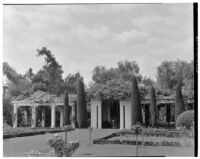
(94, 105)
(127, 104)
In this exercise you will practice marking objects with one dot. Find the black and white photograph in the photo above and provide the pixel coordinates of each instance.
(99, 80)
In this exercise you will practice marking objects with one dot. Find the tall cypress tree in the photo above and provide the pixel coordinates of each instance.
(66, 110)
(153, 108)
(179, 104)
(136, 110)
(81, 105)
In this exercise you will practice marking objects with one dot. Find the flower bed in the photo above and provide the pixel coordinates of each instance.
(133, 142)
(149, 132)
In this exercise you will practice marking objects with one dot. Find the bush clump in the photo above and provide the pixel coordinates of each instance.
(62, 150)
(185, 119)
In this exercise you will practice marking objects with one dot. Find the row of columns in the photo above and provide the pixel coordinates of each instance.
(125, 114)
(34, 116)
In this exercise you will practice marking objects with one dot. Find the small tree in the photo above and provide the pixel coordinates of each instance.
(81, 105)
(153, 108)
(136, 111)
(66, 110)
(179, 104)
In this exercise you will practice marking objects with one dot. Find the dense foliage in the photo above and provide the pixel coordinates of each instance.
(62, 150)
(136, 110)
(70, 82)
(49, 78)
(7, 111)
(153, 108)
(169, 73)
(115, 89)
(185, 119)
(179, 102)
(66, 110)
(81, 105)
(124, 71)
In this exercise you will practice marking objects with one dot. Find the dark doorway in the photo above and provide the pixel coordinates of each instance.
(110, 114)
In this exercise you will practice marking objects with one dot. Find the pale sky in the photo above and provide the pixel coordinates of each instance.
(84, 36)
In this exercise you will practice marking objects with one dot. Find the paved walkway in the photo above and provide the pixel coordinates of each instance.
(19, 146)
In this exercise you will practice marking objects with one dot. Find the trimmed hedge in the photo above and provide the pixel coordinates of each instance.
(133, 142)
(22, 132)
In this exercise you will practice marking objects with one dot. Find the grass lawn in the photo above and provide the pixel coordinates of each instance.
(19, 146)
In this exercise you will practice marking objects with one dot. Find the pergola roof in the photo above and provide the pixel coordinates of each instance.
(43, 97)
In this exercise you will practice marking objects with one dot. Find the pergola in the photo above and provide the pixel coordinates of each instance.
(41, 99)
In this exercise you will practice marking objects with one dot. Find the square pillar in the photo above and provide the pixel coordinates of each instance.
(53, 117)
(61, 118)
(43, 117)
(125, 114)
(33, 123)
(96, 116)
(15, 117)
(99, 108)
(25, 117)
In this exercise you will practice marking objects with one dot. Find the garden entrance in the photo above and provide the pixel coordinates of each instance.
(110, 113)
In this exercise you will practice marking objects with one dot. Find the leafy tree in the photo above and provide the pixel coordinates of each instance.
(7, 111)
(29, 74)
(49, 78)
(136, 111)
(147, 81)
(70, 82)
(170, 72)
(18, 83)
(66, 110)
(11, 74)
(81, 105)
(153, 108)
(179, 104)
(128, 69)
(101, 75)
(125, 71)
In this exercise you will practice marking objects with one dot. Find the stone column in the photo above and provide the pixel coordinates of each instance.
(15, 117)
(34, 113)
(53, 116)
(61, 117)
(73, 115)
(121, 117)
(43, 117)
(99, 116)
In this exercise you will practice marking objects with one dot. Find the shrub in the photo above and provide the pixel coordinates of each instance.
(153, 108)
(62, 150)
(136, 111)
(179, 104)
(66, 110)
(185, 119)
(81, 105)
